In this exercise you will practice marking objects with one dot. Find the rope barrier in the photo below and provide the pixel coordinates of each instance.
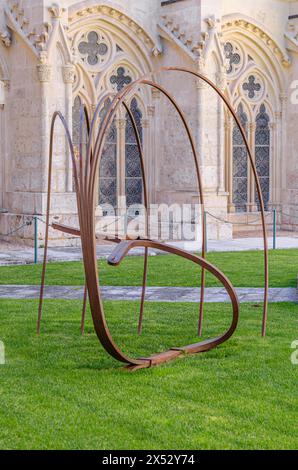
(254, 222)
(289, 215)
(9, 234)
(35, 219)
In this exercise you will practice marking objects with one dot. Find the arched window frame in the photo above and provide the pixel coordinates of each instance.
(118, 139)
(254, 62)
(251, 132)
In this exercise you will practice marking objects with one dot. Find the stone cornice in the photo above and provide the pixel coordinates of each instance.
(240, 22)
(106, 11)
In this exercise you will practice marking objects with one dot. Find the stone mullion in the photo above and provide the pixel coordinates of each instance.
(283, 141)
(251, 199)
(146, 151)
(156, 139)
(229, 161)
(273, 164)
(69, 78)
(121, 127)
(201, 87)
(150, 151)
(221, 83)
(279, 161)
(2, 155)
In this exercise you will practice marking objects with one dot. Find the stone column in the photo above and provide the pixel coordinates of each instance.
(150, 153)
(222, 84)
(68, 72)
(44, 71)
(201, 86)
(121, 126)
(273, 165)
(2, 143)
(283, 161)
(156, 139)
(279, 155)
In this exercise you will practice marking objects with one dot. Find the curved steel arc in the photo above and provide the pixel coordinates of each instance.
(86, 200)
(56, 115)
(126, 246)
(146, 202)
(99, 148)
(202, 77)
(146, 199)
(256, 178)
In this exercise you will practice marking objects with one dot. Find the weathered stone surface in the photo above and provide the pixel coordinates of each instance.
(42, 70)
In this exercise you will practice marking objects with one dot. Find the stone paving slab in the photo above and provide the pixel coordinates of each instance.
(10, 254)
(154, 294)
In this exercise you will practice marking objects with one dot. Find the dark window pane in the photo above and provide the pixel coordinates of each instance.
(263, 154)
(240, 164)
(133, 172)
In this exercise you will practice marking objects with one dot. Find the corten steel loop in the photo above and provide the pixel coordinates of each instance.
(130, 87)
(124, 248)
(86, 171)
(98, 151)
(57, 115)
(78, 182)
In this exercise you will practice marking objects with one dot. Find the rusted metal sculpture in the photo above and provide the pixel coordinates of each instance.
(85, 171)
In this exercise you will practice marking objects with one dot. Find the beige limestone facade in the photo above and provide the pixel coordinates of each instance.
(64, 54)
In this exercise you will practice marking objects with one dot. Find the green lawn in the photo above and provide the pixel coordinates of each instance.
(63, 391)
(245, 269)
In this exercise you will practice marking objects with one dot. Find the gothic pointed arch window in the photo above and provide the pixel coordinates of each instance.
(240, 164)
(262, 154)
(133, 172)
(76, 117)
(108, 167)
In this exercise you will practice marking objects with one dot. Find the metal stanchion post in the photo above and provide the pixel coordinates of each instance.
(206, 231)
(35, 239)
(274, 229)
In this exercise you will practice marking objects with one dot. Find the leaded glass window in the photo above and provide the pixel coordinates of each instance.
(240, 164)
(76, 113)
(93, 49)
(252, 87)
(232, 56)
(133, 173)
(108, 168)
(120, 79)
(263, 154)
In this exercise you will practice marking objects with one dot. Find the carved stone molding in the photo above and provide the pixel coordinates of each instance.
(56, 11)
(155, 94)
(268, 41)
(221, 80)
(145, 123)
(106, 11)
(180, 37)
(44, 73)
(69, 72)
(283, 97)
(120, 123)
(200, 64)
(151, 111)
(5, 37)
(44, 69)
(278, 115)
